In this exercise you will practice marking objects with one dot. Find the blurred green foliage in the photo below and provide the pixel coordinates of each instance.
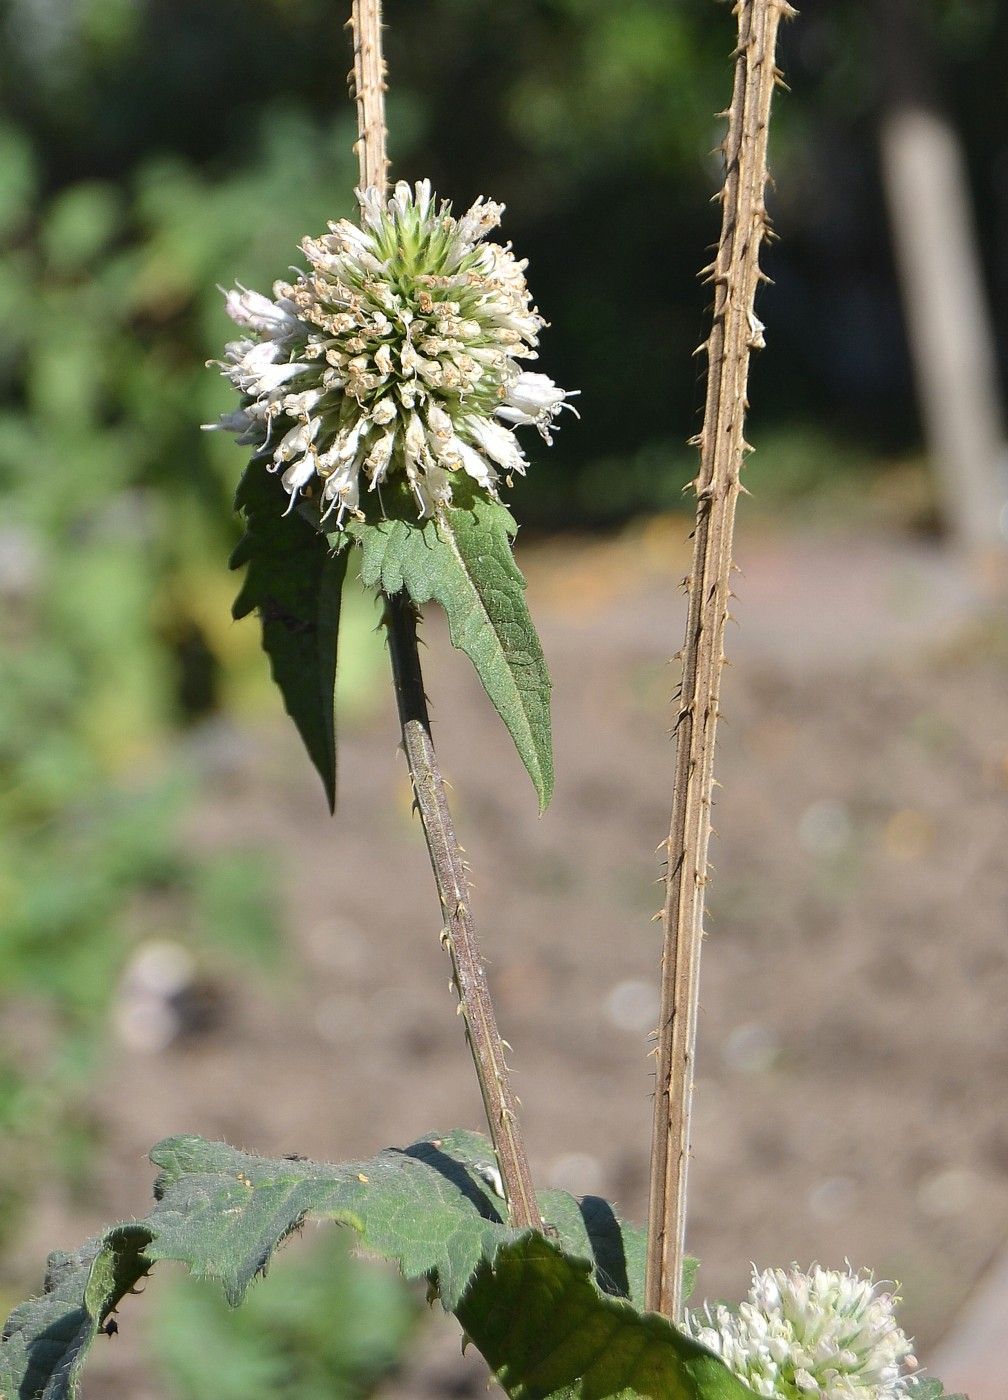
(327, 1328)
(115, 601)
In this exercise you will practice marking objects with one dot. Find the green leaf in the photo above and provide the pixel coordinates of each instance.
(294, 579)
(554, 1316)
(537, 1316)
(927, 1388)
(461, 558)
(46, 1340)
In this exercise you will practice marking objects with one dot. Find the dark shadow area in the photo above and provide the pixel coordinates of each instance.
(454, 1172)
(607, 1246)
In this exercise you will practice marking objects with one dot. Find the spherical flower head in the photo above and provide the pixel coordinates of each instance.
(397, 354)
(819, 1335)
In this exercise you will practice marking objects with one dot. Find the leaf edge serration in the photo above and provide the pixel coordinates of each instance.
(252, 1205)
(461, 558)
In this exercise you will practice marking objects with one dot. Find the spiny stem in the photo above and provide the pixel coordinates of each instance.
(735, 275)
(369, 90)
(459, 935)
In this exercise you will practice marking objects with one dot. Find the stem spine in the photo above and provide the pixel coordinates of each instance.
(459, 934)
(735, 275)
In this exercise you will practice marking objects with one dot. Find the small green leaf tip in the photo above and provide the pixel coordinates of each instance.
(294, 580)
(461, 558)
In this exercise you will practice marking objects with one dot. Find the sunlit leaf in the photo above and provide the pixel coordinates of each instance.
(555, 1314)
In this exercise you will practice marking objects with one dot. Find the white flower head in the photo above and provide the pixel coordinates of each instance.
(820, 1335)
(398, 353)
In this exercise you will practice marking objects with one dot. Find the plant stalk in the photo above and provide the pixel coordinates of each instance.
(459, 936)
(735, 332)
(369, 91)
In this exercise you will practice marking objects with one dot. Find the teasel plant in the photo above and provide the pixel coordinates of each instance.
(383, 390)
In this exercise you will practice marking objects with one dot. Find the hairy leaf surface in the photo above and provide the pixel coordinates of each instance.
(929, 1389)
(46, 1340)
(294, 580)
(554, 1315)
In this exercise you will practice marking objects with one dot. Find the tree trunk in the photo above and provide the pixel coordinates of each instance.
(947, 314)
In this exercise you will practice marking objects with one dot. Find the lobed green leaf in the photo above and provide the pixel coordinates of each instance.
(46, 1340)
(549, 1332)
(554, 1314)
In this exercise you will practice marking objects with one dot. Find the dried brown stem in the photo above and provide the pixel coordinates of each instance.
(735, 332)
(369, 91)
(459, 936)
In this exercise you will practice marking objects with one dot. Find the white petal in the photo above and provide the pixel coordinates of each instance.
(298, 474)
(415, 438)
(266, 380)
(372, 206)
(422, 197)
(534, 398)
(433, 487)
(479, 219)
(237, 422)
(351, 238)
(439, 423)
(344, 449)
(249, 308)
(301, 405)
(342, 491)
(496, 442)
(297, 440)
(378, 458)
(474, 465)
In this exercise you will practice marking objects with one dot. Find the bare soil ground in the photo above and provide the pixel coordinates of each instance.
(853, 1067)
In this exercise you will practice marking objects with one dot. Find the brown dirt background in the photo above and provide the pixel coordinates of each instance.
(853, 1064)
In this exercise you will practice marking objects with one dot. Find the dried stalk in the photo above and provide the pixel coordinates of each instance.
(369, 91)
(735, 274)
(459, 934)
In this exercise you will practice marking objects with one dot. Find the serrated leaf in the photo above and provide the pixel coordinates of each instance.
(554, 1316)
(294, 580)
(223, 1212)
(461, 558)
(537, 1316)
(46, 1340)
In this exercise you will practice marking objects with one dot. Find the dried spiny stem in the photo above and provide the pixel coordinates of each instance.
(369, 90)
(735, 276)
(459, 934)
